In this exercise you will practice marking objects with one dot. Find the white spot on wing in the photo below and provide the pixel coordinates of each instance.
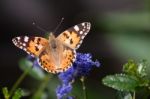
(46, 69)
(28, 52)
(21, 47)
(25, 49)
(14, 41)
(80, 42)
(26, 39)
(83, 24)
(24, 44)
(88, 26)
(82, 37)
(76, 28)
(18, 38)
(78, 46)
(85, 33)
(81, 32)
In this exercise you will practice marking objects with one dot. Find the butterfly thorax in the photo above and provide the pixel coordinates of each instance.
(52, 41)
(56, 49)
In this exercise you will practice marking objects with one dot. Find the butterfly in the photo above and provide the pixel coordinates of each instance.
(55, 54)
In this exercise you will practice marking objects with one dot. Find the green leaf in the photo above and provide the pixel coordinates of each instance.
(121, 82)
(124, 95)
(147, 70)
(141, 70)
(128, 96)
(136, 69)
(35, 72)
(18, 94)
(130, 68)
(5, 92)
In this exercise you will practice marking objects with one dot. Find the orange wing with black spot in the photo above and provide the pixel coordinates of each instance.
(73, 36)
(49, 63)
(32, 45)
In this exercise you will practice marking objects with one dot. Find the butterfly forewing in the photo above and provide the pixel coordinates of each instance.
(73, 36)
(32, 45)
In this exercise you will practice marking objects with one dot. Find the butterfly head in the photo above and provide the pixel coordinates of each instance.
(51, 36)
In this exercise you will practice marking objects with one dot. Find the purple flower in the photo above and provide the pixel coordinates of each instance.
(84, 64)
(63, 90)
(81, 67)
(67, 76)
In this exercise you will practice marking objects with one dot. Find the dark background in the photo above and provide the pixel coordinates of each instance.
(117, 28)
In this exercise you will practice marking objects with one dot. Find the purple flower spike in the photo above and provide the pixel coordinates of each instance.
(81, 67)
(63, 90)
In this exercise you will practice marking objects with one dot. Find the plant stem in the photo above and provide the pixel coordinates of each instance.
(38, 93)
(83, 87)
(17, 83)
(133, 95)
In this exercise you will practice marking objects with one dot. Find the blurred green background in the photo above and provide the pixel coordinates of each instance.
(120, 31)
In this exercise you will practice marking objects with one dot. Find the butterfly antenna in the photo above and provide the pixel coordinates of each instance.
(38, 27)
(58, 25)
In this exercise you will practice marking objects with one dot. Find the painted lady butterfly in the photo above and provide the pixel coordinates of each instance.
(57, 53)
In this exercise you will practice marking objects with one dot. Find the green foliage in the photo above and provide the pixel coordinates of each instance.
(36, 72)
(39, 93)
(132, 68)
(121, 82)
(16, 95)
(124, 95)
(133, 78)
(5, 92)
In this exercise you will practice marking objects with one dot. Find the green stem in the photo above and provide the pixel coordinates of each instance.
(38, 93)
(83, 87)
(17, 83)
(133, 95)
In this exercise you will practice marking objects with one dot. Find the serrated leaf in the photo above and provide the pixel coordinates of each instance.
(130, 68)
(5, 92)
(17, 94)
(124, 95)
(35, 72)
(128, 96)
(142, 69)
(121, 82)
(135, 69)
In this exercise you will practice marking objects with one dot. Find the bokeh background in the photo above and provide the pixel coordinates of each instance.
(120, 31)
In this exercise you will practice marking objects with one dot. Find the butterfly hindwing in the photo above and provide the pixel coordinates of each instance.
(32, 45)
(49, 63)
(69, 56)
(73, 36)
(46, 62)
